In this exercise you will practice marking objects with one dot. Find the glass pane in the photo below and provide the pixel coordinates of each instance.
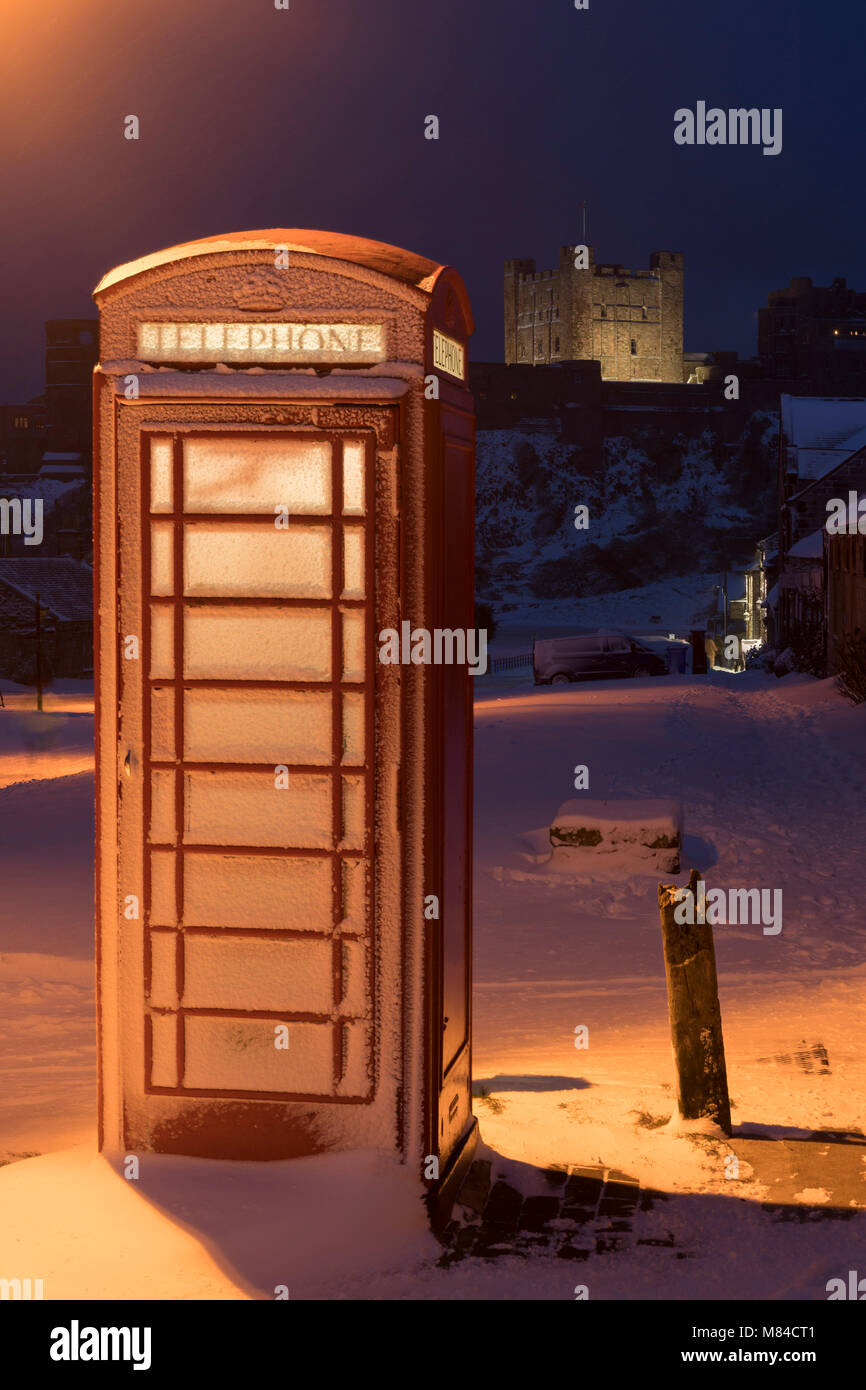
(238, 1054)
(257, 726)
(356, 994)
(353, 479)
(162, 640)
(257, 643)
(257, 561)
(245, 808)
(231, 972)
(163, 969)
(161, 475)
(353, 645)
(162, 558)
(163, 817)
(356, 1059)
(353, 728)
(236, 890)
(233, 474)
(163, 895)
(353, 813)
(162, 727)
(353, 562)
(354, 896)
(163, 1034)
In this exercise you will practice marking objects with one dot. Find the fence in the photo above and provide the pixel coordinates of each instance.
(510, 663)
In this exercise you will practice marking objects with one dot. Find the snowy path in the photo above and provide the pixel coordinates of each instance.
(770, 776)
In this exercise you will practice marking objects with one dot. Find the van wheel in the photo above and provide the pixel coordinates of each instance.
(559, 679)
(641, 671)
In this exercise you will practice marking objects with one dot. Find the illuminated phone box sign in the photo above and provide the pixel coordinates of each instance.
(448, 355)
(261, 342)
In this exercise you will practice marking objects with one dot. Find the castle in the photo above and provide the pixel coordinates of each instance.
(629, 321)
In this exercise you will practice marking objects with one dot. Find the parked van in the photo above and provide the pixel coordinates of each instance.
(557, 660)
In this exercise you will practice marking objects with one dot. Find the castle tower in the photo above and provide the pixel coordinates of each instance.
(668, 265)
(630, 321)
(514, 269)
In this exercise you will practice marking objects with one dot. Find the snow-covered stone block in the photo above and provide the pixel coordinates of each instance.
(639, 832)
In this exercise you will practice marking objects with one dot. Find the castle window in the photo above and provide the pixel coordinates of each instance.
(643, 310)
(634, 347)
(556, 347)
(604, 311)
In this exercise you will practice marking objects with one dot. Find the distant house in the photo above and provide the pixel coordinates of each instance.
(65, 590)
(801, 588)
(822, 457)
(815, 331)
(62, 468)
(761, 577)
(845, 592)
(816, 433)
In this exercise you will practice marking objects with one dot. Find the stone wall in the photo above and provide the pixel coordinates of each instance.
(631, 322)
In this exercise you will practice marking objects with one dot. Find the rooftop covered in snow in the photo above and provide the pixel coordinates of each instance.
(376, 255)
(820, 431)
(64, 586)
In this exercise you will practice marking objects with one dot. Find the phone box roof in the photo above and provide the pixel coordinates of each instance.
(392, 261)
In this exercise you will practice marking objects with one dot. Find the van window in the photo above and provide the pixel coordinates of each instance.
(579, 645)
(616, 644)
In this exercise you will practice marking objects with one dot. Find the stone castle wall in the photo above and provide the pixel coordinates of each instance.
(631, 322)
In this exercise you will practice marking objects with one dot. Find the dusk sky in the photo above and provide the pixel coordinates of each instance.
(314, 117)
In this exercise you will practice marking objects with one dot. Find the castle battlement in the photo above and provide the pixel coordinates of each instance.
(630, 321)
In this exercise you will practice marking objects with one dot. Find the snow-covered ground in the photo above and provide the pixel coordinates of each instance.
(770, 777)
(672, 605)
(47, 1088)
(769, 774)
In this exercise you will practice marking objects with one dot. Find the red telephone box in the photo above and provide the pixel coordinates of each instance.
(284, 455)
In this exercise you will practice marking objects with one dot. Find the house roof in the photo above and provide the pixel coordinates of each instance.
(64, 586)
(856, 454)
(808, 547)
(822, 430)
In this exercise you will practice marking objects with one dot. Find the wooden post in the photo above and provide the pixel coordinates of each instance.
(696, 1019)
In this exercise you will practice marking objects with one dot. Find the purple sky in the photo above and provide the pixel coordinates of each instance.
(314, 117)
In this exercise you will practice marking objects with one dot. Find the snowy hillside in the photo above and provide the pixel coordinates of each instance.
(653, 510)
